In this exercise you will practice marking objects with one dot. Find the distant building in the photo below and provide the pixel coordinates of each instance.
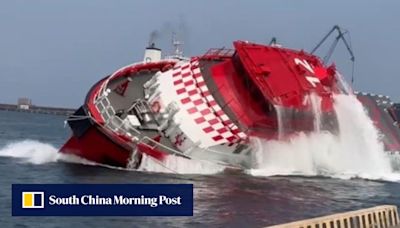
(24, 103)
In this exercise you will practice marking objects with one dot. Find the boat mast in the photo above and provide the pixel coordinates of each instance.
(177, 46)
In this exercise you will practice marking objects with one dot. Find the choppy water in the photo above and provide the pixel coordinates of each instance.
(28, 145)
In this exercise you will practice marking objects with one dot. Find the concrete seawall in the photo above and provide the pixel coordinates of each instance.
(38, 109)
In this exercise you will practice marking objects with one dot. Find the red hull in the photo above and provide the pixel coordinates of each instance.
(100, 147)
(97, 147)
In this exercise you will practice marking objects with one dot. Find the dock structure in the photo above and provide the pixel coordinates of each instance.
(385, 216)
(37, 109)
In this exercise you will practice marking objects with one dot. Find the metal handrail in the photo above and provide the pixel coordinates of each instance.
(156, 144)
(380, 216)
(109, 120)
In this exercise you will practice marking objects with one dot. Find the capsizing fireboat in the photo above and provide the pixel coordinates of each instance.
(208, 107)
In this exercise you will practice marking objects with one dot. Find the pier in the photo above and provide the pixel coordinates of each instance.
(37, 109)
(384, 216)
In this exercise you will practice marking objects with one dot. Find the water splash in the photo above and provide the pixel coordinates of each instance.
(35, 152)
(355, 152)
(346, 88)
(281, 123)
(179, 165)
(315, 102)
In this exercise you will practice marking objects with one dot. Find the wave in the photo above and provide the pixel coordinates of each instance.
(179, 165)
(35, 152)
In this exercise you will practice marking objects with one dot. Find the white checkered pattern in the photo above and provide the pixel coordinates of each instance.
(195, 97)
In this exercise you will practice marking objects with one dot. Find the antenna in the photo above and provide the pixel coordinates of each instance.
(177, 45)
(273, 41)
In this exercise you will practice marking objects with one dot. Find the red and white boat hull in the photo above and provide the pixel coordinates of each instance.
(206, 107)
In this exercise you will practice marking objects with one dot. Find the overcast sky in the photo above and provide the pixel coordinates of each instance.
(53, 50)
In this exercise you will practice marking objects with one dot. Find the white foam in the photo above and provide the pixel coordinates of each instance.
(180, 165)
(346, 88)
(36, 152)
(315, 102)
(355, 151)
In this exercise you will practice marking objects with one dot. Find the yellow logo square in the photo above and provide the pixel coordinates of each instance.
(32, 199)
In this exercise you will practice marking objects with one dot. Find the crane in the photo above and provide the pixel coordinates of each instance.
(339, 37)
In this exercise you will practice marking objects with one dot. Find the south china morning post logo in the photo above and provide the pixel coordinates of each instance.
(97, 200)
(102, 200)
(34, 200)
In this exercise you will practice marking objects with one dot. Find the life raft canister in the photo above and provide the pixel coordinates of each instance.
(155, 106)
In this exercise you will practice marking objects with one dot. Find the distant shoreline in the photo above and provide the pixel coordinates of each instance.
(38, 109)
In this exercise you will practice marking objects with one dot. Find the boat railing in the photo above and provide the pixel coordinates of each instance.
(380, 216)
(113, 121)
(218, 53)
(116, 124)
(154, 145)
